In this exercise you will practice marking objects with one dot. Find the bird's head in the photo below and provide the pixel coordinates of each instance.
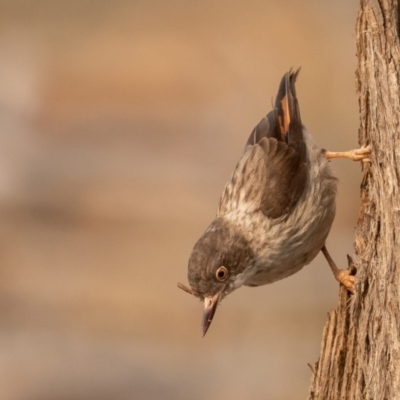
(217, 265)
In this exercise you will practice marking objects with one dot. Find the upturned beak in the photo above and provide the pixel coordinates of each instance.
(210, 306)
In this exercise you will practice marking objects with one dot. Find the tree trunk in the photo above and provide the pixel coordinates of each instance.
(360, 353)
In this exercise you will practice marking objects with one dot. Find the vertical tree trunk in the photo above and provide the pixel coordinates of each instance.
(360, 354)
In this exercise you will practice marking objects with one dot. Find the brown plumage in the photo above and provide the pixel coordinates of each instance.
(274, 214)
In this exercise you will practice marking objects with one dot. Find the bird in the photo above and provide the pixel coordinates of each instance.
(275, 212)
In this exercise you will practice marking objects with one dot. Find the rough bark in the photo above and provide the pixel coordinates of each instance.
(360, 354)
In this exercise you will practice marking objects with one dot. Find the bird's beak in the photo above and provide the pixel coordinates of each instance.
(210, 306)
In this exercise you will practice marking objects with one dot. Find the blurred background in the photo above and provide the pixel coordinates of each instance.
(120, 122)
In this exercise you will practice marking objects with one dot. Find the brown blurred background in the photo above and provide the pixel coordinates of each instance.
(120, 123)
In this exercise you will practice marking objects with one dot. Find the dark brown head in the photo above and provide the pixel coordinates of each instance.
(216, 266)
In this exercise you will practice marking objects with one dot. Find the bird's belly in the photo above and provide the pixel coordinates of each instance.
(283, 246)
(283, 251)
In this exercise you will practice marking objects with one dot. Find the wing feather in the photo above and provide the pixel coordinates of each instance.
(272, 173)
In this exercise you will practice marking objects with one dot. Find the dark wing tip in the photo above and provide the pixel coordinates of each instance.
(283, 122)
(266, 128)
(286, 85)
(289, 119)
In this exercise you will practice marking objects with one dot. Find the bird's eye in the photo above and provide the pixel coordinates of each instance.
(221, 274)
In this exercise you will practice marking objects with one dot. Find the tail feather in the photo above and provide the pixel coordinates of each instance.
(283, 122)
(289, 119)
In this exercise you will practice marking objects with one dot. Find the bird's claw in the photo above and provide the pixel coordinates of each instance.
(361, 154)
(345, 278)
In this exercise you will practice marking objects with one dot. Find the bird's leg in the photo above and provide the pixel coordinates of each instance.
(343, 276)
(361, 154)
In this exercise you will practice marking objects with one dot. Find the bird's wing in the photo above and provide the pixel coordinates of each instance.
(269, 178)
(272, 173)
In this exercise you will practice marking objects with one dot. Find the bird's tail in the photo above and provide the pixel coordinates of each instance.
(284, 121)
(288, 111)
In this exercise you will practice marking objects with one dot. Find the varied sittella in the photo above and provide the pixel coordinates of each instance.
(275, 212)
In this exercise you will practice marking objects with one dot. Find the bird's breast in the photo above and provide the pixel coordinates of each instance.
(283, 246)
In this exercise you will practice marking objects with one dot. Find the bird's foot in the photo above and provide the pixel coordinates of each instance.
(361, 154)
(344, 276)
